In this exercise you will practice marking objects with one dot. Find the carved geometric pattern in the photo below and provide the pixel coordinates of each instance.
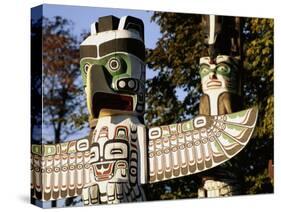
(66, 170)
(59, 170)
(199, 144)
(75, 168)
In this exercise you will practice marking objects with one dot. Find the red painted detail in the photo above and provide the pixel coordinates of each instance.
(103, 171)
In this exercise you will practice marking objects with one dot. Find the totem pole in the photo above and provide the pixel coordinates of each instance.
(113, 73)
(220, 74)
(121, 154)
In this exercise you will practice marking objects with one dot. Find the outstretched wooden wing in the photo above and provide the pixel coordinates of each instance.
(59, 170)
(199, 144)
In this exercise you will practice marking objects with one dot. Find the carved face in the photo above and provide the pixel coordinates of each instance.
(110, 160)
(112, 66)
(109, 157)
(220, 74)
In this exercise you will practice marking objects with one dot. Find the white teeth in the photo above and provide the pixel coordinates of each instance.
(131, 84)
(122, 84)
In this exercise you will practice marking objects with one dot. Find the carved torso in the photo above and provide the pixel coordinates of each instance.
(117, 161)
(219, 104)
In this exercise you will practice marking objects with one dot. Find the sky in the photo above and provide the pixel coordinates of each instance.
(82, 18)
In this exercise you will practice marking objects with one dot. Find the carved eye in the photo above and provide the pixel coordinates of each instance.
(204, 69)
(87, 67)
(116, 151)
(114, 64)
(94, 153)
(223, 69)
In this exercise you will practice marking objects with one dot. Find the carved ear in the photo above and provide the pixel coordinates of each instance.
(133, 24)
(105, 23)
(111, 22)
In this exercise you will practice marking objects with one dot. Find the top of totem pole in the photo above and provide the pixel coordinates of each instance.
(222, 35)
(112, 67)
(109, 23)
(111, 27)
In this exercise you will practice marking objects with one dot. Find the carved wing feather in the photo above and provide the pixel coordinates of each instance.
(59, 170)
(197, 145)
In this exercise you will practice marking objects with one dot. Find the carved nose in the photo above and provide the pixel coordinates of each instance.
(213, 76)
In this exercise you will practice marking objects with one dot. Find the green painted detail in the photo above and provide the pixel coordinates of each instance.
(223, 69)
(64, 146)
(123, 59)
(227, 138)
(36, 149)
(49, 150)
(165, 131)
(187, 126)
(239, 114)
(173, 128)
(71, 150)
(218, 146)
(204, 70)
(235, 127)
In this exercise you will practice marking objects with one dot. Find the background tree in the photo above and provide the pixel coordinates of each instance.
(64, 105)
(258, 89)
(176, 58)
(63, 101)
(36, 81)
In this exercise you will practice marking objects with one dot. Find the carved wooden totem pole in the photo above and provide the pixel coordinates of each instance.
(220, 74)
(121, 154)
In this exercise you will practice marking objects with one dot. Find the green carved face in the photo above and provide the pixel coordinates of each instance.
(113, 82)
(223, 69)
(112, 67)
(115, 65)
(222, 73)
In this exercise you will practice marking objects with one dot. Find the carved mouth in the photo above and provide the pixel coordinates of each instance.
(111, 101)
(214, 83)
(103, 171)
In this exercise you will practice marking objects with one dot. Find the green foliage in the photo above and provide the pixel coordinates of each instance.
(175, 59)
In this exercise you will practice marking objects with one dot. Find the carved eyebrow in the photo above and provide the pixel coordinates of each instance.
(224, 63)
(88, 51)
(205, 64)
(230, 65)
(129, 45)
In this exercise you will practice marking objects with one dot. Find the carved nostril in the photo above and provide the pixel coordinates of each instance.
(105, 166)
(131, 84)
(122, 84)
(99, 166)
(213, 76)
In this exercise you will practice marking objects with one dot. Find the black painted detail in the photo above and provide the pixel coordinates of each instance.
(140, 108)
(140, 97)
(88, 51)
(128, 85)
(111, 101)
(136, 24)
(129, 45)
(107, 23)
